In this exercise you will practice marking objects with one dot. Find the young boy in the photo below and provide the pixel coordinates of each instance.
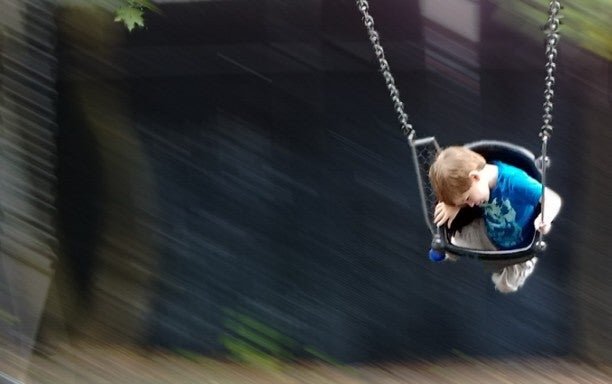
(509, 197)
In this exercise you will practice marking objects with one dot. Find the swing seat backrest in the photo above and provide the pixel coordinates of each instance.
(508, 153)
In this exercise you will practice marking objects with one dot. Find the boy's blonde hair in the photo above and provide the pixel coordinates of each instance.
(449, 174)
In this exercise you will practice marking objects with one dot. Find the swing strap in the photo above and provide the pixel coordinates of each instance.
(402, 116)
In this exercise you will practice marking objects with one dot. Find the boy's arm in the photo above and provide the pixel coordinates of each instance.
(551, 207)
(445, 213)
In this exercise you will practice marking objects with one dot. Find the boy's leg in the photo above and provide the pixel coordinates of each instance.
(473, 235)
(507, 278)
(512, 277)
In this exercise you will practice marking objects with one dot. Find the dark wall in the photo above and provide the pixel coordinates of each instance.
(286, 191)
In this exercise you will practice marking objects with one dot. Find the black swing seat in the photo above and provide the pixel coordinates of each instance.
(508, 153)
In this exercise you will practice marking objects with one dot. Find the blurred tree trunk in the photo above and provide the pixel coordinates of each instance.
(113, 263)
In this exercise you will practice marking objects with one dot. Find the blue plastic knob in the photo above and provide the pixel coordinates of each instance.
(436, 256)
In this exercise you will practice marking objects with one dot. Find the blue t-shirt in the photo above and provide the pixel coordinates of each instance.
(510, 211)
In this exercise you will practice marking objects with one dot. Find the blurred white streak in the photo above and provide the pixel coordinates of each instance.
(461, 17)
(27, 179)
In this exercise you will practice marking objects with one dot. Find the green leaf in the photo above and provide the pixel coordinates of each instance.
(130, 16)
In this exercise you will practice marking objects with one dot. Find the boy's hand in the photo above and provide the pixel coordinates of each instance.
(445, 213)
(540, 226)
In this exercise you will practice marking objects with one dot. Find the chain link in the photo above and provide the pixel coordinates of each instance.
(552, 39)
(385, 69)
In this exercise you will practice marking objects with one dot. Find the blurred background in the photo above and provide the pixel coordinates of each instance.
(229, 183)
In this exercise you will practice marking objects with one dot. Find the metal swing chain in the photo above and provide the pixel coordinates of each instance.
(552, 39)
(385, 69)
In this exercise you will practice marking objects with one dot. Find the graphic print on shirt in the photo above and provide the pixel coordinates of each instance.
(501, 223)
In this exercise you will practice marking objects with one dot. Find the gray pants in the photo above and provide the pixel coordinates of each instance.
(508, 276)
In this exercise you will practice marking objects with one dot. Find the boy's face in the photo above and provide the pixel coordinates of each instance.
(478, 193)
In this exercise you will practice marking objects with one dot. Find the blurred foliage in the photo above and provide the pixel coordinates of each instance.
(255, 343)
(129, 12)
(132, 11)
(585, 23)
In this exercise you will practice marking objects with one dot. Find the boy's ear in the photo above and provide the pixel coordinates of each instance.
(474, 175)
